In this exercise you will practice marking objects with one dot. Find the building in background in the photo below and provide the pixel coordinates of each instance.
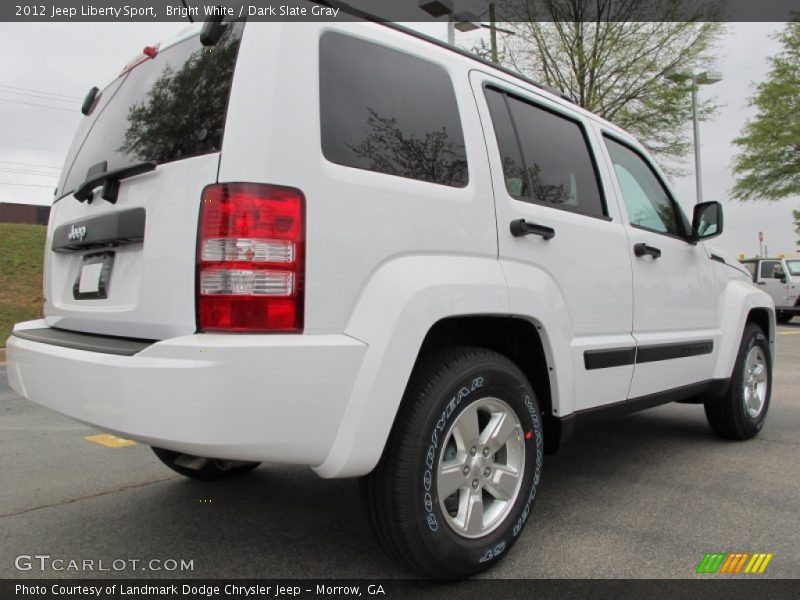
(33, 214)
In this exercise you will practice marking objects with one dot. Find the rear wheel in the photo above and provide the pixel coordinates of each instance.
(203, 469)
(741, 412)
(457, 480)
(783, 317)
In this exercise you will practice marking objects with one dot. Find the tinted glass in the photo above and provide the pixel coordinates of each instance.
(389, 112)
(165, 109)
(646, 201)
(559, 168)
(771, 269)
(513, 171)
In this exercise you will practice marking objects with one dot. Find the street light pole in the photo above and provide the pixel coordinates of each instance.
(696, 123)
(697, 79)
(493, 32)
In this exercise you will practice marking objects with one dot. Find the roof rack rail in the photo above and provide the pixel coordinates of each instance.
(361, 14)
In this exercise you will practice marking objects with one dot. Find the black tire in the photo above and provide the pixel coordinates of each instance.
(728, 416)
(212, 469)
(402, 492)
(783, 317)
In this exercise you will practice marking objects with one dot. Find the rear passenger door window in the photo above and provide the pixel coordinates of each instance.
(386, 111)
(545, 156)
(647, 202)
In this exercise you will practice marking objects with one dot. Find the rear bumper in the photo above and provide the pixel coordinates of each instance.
(273, 398)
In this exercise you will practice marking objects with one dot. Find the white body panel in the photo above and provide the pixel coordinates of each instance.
(357, 220)
(674, 299)
(151, 292)
(245, 398)
(736, 299)
(386, 259)
(592, 289)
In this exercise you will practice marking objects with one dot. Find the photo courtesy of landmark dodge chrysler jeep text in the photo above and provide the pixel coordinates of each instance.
(351, 247)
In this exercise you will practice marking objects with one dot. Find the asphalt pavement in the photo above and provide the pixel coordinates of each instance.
(647, 495)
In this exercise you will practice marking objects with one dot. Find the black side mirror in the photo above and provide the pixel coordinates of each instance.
(707, 221)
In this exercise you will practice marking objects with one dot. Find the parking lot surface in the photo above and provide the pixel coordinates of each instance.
(644, 496)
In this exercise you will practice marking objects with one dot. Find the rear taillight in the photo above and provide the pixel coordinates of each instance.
(250, 258)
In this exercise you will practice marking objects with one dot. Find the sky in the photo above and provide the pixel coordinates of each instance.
(55, 64)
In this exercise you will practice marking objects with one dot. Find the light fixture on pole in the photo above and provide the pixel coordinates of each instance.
(463, 21)
(697, 79)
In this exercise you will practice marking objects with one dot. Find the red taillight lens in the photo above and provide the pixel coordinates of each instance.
(251, 258)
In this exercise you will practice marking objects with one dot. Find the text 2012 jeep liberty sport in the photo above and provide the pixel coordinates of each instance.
(348, 246)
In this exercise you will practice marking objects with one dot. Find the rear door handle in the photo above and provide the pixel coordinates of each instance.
(643, 249)
(521, 227)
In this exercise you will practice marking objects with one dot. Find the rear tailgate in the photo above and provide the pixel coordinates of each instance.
(126, 267)
(149, 286)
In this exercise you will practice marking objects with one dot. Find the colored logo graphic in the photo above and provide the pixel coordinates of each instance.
(734, 562)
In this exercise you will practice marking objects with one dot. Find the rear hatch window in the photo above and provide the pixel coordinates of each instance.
(166, 108)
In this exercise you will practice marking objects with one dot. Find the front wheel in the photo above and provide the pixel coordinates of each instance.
(783, 317)
(741, 412)
(458, 478)
(203, 469)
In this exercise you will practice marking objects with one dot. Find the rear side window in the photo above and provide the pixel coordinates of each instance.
(389, 112)
(167, 108)
(546, 157)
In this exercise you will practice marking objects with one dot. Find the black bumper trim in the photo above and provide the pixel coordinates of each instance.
(88, 342)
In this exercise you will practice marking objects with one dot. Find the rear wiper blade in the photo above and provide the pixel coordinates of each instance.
(97, 175)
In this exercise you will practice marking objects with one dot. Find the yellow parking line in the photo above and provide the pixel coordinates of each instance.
(788, 332)
(110, 441)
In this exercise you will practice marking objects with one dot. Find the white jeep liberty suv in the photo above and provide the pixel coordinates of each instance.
(351, 247)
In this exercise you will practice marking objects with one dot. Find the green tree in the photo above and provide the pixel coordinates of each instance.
(183, 113)
(796, 215)
(612, 57)
(432, 157)
(767, 166)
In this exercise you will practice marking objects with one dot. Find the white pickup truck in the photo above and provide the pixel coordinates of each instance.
(351, 247)
(780, 278)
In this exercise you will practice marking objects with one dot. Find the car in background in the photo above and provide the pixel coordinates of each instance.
(780, 278)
